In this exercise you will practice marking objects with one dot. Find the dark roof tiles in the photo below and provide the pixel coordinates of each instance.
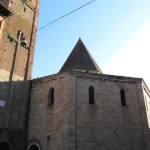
(80, 59)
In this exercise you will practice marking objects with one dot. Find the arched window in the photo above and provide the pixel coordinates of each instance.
(122, 95)
(33, 146)
(51, 96)
(4, 146)
(91, 95)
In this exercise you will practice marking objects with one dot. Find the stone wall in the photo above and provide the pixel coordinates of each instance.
(49, 124)
(14, 104)
(106, 124)
(74, 124)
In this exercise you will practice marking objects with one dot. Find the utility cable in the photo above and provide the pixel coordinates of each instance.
(61, 17)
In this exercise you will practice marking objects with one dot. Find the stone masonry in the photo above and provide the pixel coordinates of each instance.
(14, 108)
(74, 124)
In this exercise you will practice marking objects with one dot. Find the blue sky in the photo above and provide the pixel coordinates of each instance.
(116, 32)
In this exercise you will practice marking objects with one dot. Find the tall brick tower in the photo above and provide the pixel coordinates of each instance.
(18, 21)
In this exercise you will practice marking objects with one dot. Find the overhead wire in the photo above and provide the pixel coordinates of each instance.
(61, 17)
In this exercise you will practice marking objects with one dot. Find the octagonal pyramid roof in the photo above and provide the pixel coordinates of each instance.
(80, 59)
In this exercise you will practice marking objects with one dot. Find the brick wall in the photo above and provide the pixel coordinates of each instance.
(14, 57)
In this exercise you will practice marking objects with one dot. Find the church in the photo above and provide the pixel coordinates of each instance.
(77, 108)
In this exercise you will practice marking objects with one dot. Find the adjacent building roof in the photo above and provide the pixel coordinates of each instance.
(80, 59)
(4, 11)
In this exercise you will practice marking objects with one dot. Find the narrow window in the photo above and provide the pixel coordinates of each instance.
(24, 9)
(19, 35)
(122, 95)
(0, 24)
(91, 95)
(51, 96)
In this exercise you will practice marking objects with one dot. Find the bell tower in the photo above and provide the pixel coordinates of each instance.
(18, 23)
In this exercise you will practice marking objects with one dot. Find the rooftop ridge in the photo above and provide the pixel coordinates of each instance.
(86, 74)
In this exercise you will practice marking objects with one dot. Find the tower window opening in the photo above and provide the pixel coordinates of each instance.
(19, 35)
(91, 95)
(51, 97)
(24, 9)
(122, 95)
